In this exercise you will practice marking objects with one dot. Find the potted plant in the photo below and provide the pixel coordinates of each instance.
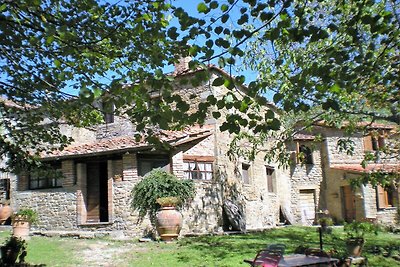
(355, 232)
(325, 222)
(5, 211)
(159, 195)
(11, 249)
(21, 222)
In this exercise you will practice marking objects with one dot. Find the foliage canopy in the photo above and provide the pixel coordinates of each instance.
(333, 61)
(160, 184)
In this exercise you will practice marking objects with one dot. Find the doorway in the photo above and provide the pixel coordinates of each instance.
(97, 192)
(349, 203)
(307, 206)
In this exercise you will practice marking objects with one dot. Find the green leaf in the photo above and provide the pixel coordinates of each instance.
(275, 124)
(277, 97)
(229, 84)
(193, 50)
(57, 63)
(97, 92)
(243, 19)
(216, 114)
(221, 62)
(49, 39)
(266, 16)
(269, 115)
(335, 89)
(218, 81)
(331, 104)
(224, 7)
(3, 7)
(218, 30)
(224, 18)
(214, 4)
(202, 8)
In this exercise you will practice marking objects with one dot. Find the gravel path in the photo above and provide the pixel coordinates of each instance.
(103, 253)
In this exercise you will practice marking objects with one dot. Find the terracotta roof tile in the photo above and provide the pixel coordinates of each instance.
(369, 168)
(368, 125)
(118, 144)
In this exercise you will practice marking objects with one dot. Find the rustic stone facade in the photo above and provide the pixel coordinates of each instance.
(299, 192)
(337, 180)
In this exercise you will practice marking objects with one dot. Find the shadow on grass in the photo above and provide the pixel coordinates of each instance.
(247, 245)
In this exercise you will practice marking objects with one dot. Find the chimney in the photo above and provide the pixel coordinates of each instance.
(182, 65)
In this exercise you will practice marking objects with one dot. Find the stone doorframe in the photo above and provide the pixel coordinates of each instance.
(81, 172)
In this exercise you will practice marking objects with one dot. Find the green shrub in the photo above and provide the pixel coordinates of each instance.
(325, 221)
(28, 215)
(359, 229)
(159, 184)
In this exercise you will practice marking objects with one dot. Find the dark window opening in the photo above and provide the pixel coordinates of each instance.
(270, 179)
(305, 155)
(147, 162)
(386, 197)
(48, 177)
(246, 173)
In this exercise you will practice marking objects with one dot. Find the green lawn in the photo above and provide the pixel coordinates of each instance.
(226, 250)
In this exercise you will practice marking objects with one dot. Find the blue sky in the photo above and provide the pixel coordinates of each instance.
(190, 6)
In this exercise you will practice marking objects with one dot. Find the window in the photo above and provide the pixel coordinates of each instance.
(107, 108)
(148, 162)
(108, 112)
(246, 173)
(386, 197)
(198, 170)
(373, 143)
(270, 179)
(49, 177)
(304, 154)
(4, 186)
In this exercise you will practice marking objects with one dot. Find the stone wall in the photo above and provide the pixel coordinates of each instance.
(80, 135)
(120, 127)
(334, 156)
(306, 177)
(388, 216)
(365, 197)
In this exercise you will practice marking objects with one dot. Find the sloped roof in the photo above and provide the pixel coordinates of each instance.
(388, 168)
(368, 125)
(129, 143)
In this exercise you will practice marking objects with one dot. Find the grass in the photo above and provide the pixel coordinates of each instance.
(198, 251)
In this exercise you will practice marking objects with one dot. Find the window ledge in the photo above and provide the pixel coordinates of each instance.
(44, 188)
(202, 181)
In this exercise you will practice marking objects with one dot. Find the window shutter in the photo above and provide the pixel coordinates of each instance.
(381, 197)
(270, 184)
(368, 143)
(381, 142)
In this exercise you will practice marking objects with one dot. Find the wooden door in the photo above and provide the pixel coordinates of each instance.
(97, 199)
(348, 203)
(307, 206)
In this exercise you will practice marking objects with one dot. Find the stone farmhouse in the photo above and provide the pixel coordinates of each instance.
(102, 166)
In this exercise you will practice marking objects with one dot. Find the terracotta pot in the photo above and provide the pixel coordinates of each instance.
(21, 228)
(168, 223)
(5, 213)
(355, 246)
